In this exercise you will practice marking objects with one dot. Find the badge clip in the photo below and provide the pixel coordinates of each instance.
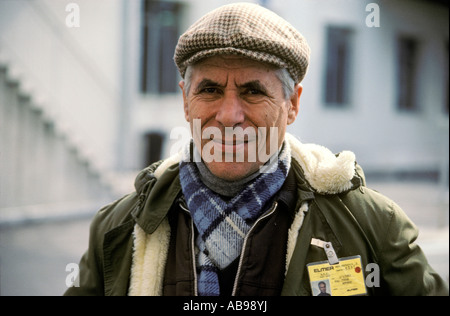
(328, 248)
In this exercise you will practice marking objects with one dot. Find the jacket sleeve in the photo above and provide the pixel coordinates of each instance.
(90, 277)
(404, 268)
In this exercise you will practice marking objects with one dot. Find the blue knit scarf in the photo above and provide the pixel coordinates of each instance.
(222, 224)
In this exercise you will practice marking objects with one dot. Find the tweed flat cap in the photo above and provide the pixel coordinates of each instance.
(247, 30)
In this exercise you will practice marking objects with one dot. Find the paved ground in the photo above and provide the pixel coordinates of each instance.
(33, 257)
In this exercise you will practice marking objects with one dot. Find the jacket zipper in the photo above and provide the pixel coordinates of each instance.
(192, 249)
(274, 206)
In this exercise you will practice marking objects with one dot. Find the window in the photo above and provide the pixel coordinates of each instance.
(407, 54)
(160, 32)
(153, 143)
(338, 63)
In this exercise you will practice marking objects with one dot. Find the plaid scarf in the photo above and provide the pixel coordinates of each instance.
(222, 223)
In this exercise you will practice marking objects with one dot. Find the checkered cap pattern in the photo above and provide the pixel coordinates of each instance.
(247, 30)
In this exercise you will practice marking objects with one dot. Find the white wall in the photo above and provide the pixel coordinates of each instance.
(59, 98)
(72, 72)
(382, 137)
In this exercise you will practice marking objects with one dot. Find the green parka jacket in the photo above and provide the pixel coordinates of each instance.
(334, 205)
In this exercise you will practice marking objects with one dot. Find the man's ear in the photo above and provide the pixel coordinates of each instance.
(181, 84)
(294, 104)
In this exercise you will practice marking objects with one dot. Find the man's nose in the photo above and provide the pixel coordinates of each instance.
(230, 113)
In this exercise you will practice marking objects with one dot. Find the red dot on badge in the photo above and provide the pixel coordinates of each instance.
(357, 269)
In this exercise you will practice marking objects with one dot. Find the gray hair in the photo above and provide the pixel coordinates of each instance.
(282, 74)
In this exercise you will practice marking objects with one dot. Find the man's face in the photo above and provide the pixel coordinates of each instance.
(233, 93)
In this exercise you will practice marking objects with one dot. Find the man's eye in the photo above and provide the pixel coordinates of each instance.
(209, 90)
(254, 92)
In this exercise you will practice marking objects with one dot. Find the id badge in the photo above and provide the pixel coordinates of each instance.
(345, 278)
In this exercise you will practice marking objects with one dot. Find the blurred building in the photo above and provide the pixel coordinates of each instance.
(89, 91)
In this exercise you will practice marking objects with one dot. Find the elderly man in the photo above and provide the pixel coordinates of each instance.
(245, 208)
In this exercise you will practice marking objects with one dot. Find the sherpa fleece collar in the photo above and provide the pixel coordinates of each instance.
(325, 172)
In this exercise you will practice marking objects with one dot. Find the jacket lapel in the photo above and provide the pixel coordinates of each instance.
(158, 198)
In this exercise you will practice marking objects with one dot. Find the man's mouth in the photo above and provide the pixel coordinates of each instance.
(230, 146)
(229, 142)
